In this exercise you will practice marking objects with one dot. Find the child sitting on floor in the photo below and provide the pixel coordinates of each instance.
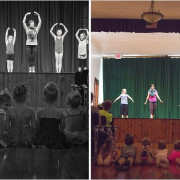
(128, 154)
(161, 155)
(20, 119)
(5, 103)
(174, 156)
(75, 120)
(50, 128)
(144, 153)
(107, 153)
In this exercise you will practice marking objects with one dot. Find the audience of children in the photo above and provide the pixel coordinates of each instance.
(53, 129)
(75, 120)
(49, 124)
(5, 103)
(161, 155)
(107, 153)
(105, 112)
(128, 154)
(20, 119)
(144, 153)
(174, 155)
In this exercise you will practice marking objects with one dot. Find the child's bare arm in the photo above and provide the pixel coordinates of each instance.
(14, 40)
(51, 30)
(66, 30)
(77, 37)
(24, 20)
(39, 20)
(87, 33)
(6, 35)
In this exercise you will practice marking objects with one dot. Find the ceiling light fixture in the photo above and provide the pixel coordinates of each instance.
(152, 15)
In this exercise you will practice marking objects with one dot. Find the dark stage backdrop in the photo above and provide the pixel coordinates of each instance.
(73, 14)
(136, 75)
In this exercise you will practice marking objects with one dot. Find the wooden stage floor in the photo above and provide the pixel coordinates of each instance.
(136, 172)
(27, 163)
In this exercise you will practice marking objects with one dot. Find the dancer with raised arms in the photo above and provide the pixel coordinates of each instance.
(31, 42)
(59, 39)
(10, 42)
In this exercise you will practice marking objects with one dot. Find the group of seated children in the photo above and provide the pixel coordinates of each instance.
(143, 155)
(51, 129)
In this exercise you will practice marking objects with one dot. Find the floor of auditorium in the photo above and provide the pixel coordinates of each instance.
(38, 163)
(136, 172)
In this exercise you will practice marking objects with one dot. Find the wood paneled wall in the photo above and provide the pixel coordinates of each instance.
(36, 82)
(155, 129)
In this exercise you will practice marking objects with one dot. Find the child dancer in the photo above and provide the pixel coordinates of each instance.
(107, 153)
(124, 103)
(5, 103)
(10, 42)
(128, 154)
(82, 48)
(20, 119)
(59, 39)
(161, 155)
(144, 153)
(50, 127)
(31, 42)
(152, 96)
(76, 123)
(174, 156)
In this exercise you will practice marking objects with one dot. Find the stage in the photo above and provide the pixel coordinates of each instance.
(155, 129)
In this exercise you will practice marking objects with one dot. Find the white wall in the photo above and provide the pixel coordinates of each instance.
(96, 70)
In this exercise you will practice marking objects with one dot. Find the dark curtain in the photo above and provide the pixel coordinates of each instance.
(133, 25)
(136, 75)
(73, 14)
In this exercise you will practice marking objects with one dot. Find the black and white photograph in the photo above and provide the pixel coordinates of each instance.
(44, 90)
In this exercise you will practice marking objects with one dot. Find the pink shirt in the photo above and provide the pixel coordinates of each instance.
(154, 98)
(174, 154)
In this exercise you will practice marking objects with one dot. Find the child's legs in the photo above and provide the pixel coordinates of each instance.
(107, 161)
(34, 57)
(79, 64)
(85, 64)
(126, 110)
(151, 108)
(149, 158)
(57, 61)
(8, 66)
(138, 159)
(122, 161)
(122, 110)
(154, 107)
(99, 160)
(11, 65)
(131, 160)
(60, 61)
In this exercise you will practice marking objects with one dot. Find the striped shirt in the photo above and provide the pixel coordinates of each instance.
(128, 151)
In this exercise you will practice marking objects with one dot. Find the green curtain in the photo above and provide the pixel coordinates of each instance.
(136, 75)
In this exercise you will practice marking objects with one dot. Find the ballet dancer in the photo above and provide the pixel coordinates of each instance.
(152, 96)
(10, 42)
(59, 39)
(31, 42)
(124, 103)
(82, 48)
